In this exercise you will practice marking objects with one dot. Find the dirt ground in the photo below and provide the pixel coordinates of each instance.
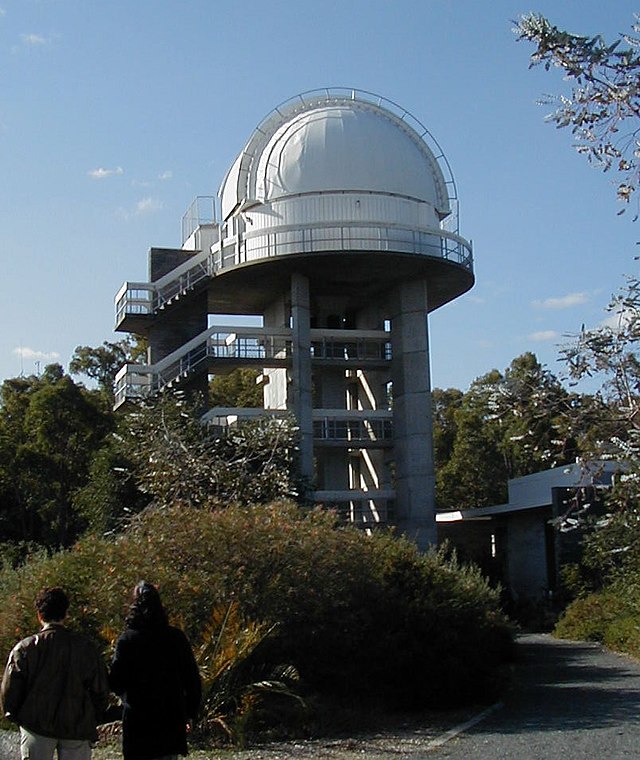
(402, 738)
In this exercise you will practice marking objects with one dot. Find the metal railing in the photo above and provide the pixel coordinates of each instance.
(314, 237)
(364, 509)
(256, 345)
(355, 430)
(201, 211)
(182, 282)
(134, 298)
(375, 346)
(145, 298)
(142, 298)
(237, 344)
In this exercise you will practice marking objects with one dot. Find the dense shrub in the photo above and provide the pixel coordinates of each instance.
(355, 615)
(589, 617)
(610, 616)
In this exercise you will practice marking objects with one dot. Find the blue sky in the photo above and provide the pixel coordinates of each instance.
(114, 115)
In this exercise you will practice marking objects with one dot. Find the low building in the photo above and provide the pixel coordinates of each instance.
(523, 543)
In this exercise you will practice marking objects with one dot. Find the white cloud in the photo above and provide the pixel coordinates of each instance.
(147, 206)
(101, 173)
(2, 12)
(143, 207)
(544, 336)
(563, 302)
(33, 40)
(168, 174)
(29, 353)
(619, 320)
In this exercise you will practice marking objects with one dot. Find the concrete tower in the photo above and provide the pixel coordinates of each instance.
(337, 225)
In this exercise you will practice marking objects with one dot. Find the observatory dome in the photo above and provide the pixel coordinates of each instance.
(335, 144)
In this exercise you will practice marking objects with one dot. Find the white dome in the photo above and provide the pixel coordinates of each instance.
(334, 144)
(340, 148)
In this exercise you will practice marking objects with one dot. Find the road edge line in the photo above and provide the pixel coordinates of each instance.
(453, 732)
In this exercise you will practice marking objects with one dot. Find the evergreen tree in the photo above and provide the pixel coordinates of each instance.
(49, 430)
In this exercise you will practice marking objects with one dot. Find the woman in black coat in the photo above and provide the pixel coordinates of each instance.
(155, 674)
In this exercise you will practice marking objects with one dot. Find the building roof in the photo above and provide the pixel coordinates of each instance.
(534, 491)
(335, 140)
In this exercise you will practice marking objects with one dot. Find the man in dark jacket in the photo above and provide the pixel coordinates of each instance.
(54, 686)
(155, 674)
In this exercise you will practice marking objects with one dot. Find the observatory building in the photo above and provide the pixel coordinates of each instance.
(336, 227)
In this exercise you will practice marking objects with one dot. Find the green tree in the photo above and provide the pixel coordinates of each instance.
(506, 425)
(444, 404)
(475, 475)
(603, 107)
(535, 413)
(49, 430)
(179, 460)
(109, 497)
(609, 354)
(237, 389)
(102, 363)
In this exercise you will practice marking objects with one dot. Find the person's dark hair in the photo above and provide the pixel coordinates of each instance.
(146, 610)
(52, 604)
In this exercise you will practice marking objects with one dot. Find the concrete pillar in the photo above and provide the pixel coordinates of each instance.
(412, 414)
(301, 370)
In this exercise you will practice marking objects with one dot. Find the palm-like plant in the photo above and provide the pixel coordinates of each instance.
(233, 690)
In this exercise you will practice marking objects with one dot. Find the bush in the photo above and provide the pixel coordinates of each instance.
(589, 617)
(610, 617)
(356, 615)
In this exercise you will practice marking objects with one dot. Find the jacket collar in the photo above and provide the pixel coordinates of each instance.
(52, 624)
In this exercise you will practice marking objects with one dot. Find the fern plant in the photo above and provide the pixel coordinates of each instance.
(236, 688)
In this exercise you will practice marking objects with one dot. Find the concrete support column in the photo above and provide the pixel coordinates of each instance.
(412, 414)
(301, 370)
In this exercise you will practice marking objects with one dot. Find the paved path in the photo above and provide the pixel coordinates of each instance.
(570, 701)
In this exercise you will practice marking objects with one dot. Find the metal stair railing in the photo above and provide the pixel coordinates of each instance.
(364, 509)
(141, 298)
(232, 343)
(182, 280)
(254, 344)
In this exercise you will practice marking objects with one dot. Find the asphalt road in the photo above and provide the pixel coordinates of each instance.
(570, 701)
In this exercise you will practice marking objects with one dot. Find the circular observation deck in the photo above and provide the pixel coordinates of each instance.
(347, 188)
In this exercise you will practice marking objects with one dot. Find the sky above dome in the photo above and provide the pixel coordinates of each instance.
(115, 115)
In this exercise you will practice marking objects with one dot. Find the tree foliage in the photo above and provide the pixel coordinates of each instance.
(609, 354)
(178, 460)
(506, 425)
(102, 363)
(475, 475)
(603, 108)
(361, 616)
(49, 429)
(237, 389)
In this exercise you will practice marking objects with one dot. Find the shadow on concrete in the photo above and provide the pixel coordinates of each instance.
(560, 686)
